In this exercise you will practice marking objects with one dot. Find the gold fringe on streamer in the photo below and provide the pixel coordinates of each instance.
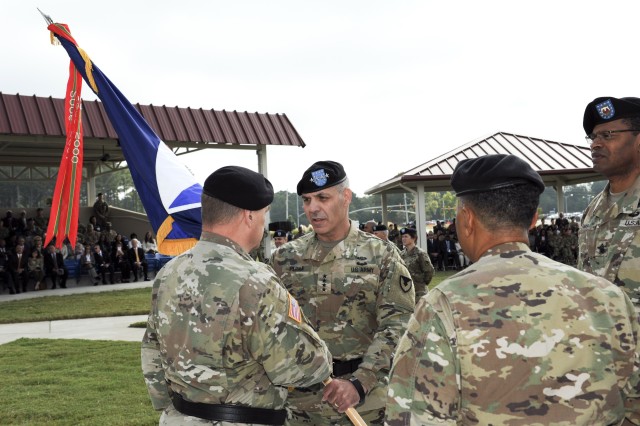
(88, 68)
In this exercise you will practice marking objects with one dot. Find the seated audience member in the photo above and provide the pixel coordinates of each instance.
(105, 246)
(432, 248)
(66, 250)
(54, 267)
(87, 263)
(91, 236)
(40, 221)
(120, 260)
(31, 231)
(463, 260)
(4, 231)
(149, 244)
(109, 232)
(137, 260)
(21, 241)
(19, 269)
(37, 245)
(93, 221)
(21, 223)
(5, 273)
(132, 236)
(446, 252)
(103, 264)
(35, 265)
(77, 252)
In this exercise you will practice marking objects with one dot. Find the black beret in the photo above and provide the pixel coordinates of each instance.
(239, 187)
(321, 175)
(380, 228)
(491, 172)
(279, 233)
(409, 231)
(602, 110)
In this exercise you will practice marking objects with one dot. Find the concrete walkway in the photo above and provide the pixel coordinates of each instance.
(110, 328)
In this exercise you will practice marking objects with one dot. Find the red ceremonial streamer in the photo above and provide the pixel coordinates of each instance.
(66, 197)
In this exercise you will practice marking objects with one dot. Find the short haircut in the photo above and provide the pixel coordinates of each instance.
(217, 212)
(633, 123)
(343, 185)
(505, 208)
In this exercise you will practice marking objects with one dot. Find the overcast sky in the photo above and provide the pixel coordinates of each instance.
(380, 86)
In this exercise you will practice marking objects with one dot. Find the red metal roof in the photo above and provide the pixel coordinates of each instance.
(42, 116)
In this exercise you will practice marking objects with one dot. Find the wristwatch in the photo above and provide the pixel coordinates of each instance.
(356, 384)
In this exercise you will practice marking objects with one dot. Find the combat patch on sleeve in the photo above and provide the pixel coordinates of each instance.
(294, 309)
(405, 283)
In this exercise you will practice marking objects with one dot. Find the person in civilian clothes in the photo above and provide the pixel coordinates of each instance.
(54, 267)
(18, 263)
(137, 260)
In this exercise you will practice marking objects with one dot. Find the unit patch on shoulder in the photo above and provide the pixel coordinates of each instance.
(294, 309)
(405, 283)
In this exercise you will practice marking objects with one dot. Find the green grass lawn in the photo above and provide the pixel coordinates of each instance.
(90, 305)
(73, 382)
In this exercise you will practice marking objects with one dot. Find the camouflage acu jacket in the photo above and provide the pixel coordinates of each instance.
(222, 329)
(518, 339)
(609, 241)
(358, 298)
(420, 267)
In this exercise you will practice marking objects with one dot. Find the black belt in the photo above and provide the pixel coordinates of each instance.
(340, 368)
(229, 413)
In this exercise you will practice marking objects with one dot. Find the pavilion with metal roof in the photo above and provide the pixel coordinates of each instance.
(559, 164)
(32, 135)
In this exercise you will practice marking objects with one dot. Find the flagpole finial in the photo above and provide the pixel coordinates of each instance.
(46, 17)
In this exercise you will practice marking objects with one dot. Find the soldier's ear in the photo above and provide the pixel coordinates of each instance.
(465, 219)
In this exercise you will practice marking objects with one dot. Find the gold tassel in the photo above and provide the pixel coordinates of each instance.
(54, 40)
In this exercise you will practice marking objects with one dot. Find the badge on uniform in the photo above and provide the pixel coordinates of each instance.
(605, 109)
(294, 309)
(405, 283)
(319, 177)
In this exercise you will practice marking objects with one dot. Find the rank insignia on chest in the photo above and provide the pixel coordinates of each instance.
(324, 284)
(294, 310)
(405, 283)
(602, 249)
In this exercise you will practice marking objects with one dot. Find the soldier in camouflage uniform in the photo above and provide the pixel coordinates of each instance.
(417, 261)
(224, 339)
(565, 249)
(358, 295)
(609, 241)
(516, 338)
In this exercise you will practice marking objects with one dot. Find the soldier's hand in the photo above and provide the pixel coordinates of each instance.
(341, 394)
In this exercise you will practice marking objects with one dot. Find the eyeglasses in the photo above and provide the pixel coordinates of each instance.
(607, 135)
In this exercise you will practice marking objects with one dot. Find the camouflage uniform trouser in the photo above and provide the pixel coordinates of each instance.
(295, 418)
